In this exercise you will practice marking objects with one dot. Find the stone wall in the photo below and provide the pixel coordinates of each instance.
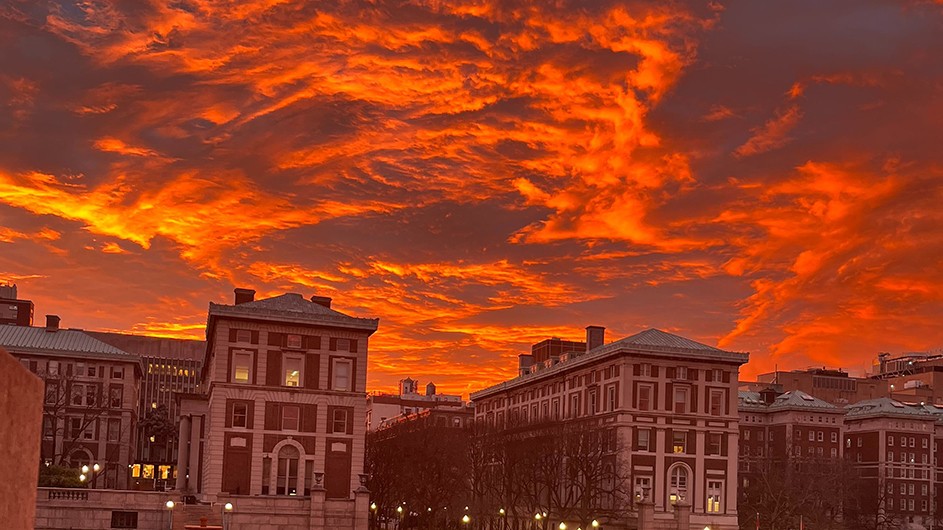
(21, 407)
(61, 509)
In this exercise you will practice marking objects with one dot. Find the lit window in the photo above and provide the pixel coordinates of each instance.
(292, 368)
(241, 366)
(290, 417)
(643, 488)
(678, 484)
(714, 491)
(342, 375)
(679, 441)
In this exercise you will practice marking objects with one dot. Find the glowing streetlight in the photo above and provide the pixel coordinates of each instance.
(399, 510)
(84, 470)
(170, 505)
(373, 506)
(562, 525)
(538, 517)
(96, 468)
(501, 511)
(82, 477)
(594, 524)
(466, 519)
(228, 506)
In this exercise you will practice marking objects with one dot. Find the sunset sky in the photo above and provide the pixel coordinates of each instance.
(481, 175)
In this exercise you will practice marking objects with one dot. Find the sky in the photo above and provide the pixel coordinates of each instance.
(481, 175)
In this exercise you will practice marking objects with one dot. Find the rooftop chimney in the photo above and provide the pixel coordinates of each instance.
(52, 323)
(244, 295)
(524, 362)
(322, 300)
(430, 389)
(595, 337)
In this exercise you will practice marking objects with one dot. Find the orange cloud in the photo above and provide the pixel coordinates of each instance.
(772, 134)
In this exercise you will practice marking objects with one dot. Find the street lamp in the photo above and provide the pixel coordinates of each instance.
(227, 515)
(465, 520)
(170, 508)
(562, 525)
(594, 524)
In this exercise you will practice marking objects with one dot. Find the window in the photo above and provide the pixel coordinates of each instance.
(291, 365)
(75, 427)
(611, 398)
(117, 373)
(644, 397)
(714, 491)
(89, 432)
(681, 399)
(713, 443)
(124, 519)
(679, 440)
(717, 402)
(243, 335)
(811, 436)
(746, 434)
(574, 405)
(645, 370)
(240, 414)
(339, 421)
(681, 372)
(903, 489)
(342, 375)
(78, 394)
(834, 437)
(644, 439)
(47, 426)
(677, 484)
(52, 368)
(290, 417)
(293, 341)
(115, 396)
(286, 482)
(890, 440)
(923, 442)
(859, 441)
(910, 489)
(821, 436)
(592, 402)
(912, 444)
(114, 430)
(834, 452)
(910, 504)
(643, 488)
(241, 366)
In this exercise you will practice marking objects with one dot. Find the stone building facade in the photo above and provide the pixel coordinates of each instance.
(282, 413)
(672, 405)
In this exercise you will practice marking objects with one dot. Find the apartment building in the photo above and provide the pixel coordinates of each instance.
(91, 393)
(13, 310)
(669, 402)
(282, 407)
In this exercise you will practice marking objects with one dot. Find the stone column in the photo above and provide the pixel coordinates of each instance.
(683, 515)
(183, 439)
(316, 516)
(361, 515)
(646, 514)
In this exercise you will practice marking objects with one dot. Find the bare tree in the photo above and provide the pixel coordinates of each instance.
(71, 412)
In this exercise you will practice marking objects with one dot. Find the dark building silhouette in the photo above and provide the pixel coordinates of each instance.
(14, 311)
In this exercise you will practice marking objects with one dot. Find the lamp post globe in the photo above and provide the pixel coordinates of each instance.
(170, 505)
(562, 526)
(594, 524)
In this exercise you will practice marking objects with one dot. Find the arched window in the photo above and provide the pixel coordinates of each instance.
(287, 479)
(677, 484)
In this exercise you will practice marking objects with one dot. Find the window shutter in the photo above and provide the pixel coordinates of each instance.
(312, 370)
(273, 368)
(255, 337)
(353, 345)
(330, 418)
(311, 342)
(271, 416)
(709, 375)
(232, 335)
(353, 375)
(693, 394)
(333, 344)
(726, 377)
(276, 339)
(654, 371)
(250, 415)
(671, 373)
(669, 398)
(309, 418)
(350, 421)
(229, 404)
(692, 374)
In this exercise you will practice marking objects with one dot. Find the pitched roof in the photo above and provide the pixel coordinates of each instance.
(750, 399)
(886, 407)
(799, 399)
(63, 340)
(657, 337)
(292, 307)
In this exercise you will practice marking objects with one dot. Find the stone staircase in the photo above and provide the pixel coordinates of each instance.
(190, 514)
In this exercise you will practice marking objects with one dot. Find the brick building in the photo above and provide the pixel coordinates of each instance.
(91, 395)
(671, 404)
(13, 310)
(387, 407)
(282, 407)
